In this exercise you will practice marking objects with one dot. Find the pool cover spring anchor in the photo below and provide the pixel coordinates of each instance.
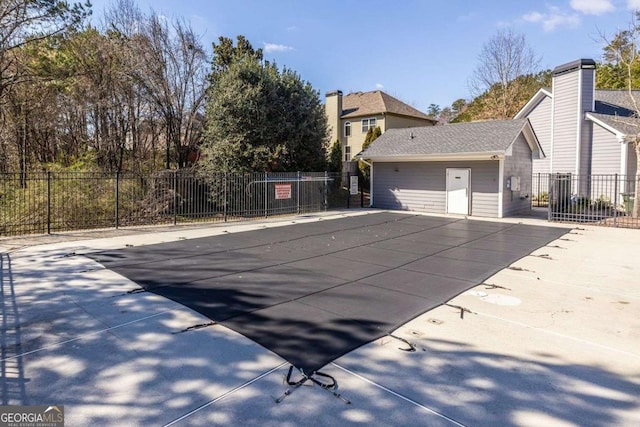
(492, 286)
(412, 347)
(461, 308)
(331, 387)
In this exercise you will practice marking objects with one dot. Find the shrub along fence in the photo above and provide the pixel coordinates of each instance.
(62, 201)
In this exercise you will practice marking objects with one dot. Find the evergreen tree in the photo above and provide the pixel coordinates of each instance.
(365, 170)
(261, 118)
(334, 163)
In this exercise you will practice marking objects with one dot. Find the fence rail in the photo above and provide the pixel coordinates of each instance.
(62, 201)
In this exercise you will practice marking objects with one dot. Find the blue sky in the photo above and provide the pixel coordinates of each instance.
(421, 52)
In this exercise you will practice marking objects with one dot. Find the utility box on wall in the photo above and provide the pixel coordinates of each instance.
(514, 183)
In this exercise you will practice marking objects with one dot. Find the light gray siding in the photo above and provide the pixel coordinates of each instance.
(540, 118)
(632, 161)
(565, 122)
(518, 164)
(588, 80)
(421, 186)
(606, 152)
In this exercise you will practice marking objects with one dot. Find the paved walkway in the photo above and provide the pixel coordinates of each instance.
(554, 341)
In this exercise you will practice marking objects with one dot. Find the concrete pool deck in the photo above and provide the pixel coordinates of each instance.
(554, 340)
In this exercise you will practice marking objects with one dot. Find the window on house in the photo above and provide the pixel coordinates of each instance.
(347, 153)
(347, 129)
(368, 123)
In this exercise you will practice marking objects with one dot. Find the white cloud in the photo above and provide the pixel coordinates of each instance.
(379, 86)
(592, 7)
(533, 17)
(633, 4)
(553, 19)
(273, 47)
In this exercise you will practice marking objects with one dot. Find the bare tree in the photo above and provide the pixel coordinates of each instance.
(172, 68)
(502, 60)
(27, 21)
(622, 52)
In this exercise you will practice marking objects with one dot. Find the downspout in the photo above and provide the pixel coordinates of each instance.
(370, 179)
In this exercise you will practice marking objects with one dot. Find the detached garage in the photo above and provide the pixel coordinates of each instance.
(478, 168)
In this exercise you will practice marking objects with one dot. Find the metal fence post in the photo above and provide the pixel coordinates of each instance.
(348, 190)
(298, 191)
(224, 202)
(117, 201)
(549, 204)
(175, 197)
(326, 190)
(615, 203)
(48, 202)
(266, 194)
(361, 185)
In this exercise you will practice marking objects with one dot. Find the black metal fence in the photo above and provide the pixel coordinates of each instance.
(62, 201)
(597, 199)
(540, 190)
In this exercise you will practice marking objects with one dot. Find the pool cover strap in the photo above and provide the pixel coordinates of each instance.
(331, 387)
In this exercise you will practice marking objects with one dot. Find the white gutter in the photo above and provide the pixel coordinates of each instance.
(579, 123)
(487, 155)
(500, 190)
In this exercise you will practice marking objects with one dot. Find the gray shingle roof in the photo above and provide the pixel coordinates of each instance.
(616, 102)
(625, 125)
(616, 109)
(475, 137)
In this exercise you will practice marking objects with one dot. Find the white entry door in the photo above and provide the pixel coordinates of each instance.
(458, 191)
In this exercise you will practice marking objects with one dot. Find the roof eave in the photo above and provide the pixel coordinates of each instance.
(621, 136)
(439, 157)
(532, 139)
(535, 100)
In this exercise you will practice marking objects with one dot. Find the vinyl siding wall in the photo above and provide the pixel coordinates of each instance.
(565, 122)
(421, 186)
(518, 164)
(540, 119)
(586, 125)
(606, 152)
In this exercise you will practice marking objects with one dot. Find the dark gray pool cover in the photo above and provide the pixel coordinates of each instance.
(313, 292)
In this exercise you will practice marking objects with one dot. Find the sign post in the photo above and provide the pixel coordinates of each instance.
(353, 185)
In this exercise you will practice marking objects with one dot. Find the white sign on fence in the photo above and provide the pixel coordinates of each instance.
(283, 191)
(353, 185)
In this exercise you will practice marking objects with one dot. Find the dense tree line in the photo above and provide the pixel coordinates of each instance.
(128, 95)
(131, 95)
(507, 76)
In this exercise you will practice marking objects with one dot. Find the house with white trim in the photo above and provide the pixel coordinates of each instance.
(478, 168)
(351, 116)
(583, 130)
(485, 168)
